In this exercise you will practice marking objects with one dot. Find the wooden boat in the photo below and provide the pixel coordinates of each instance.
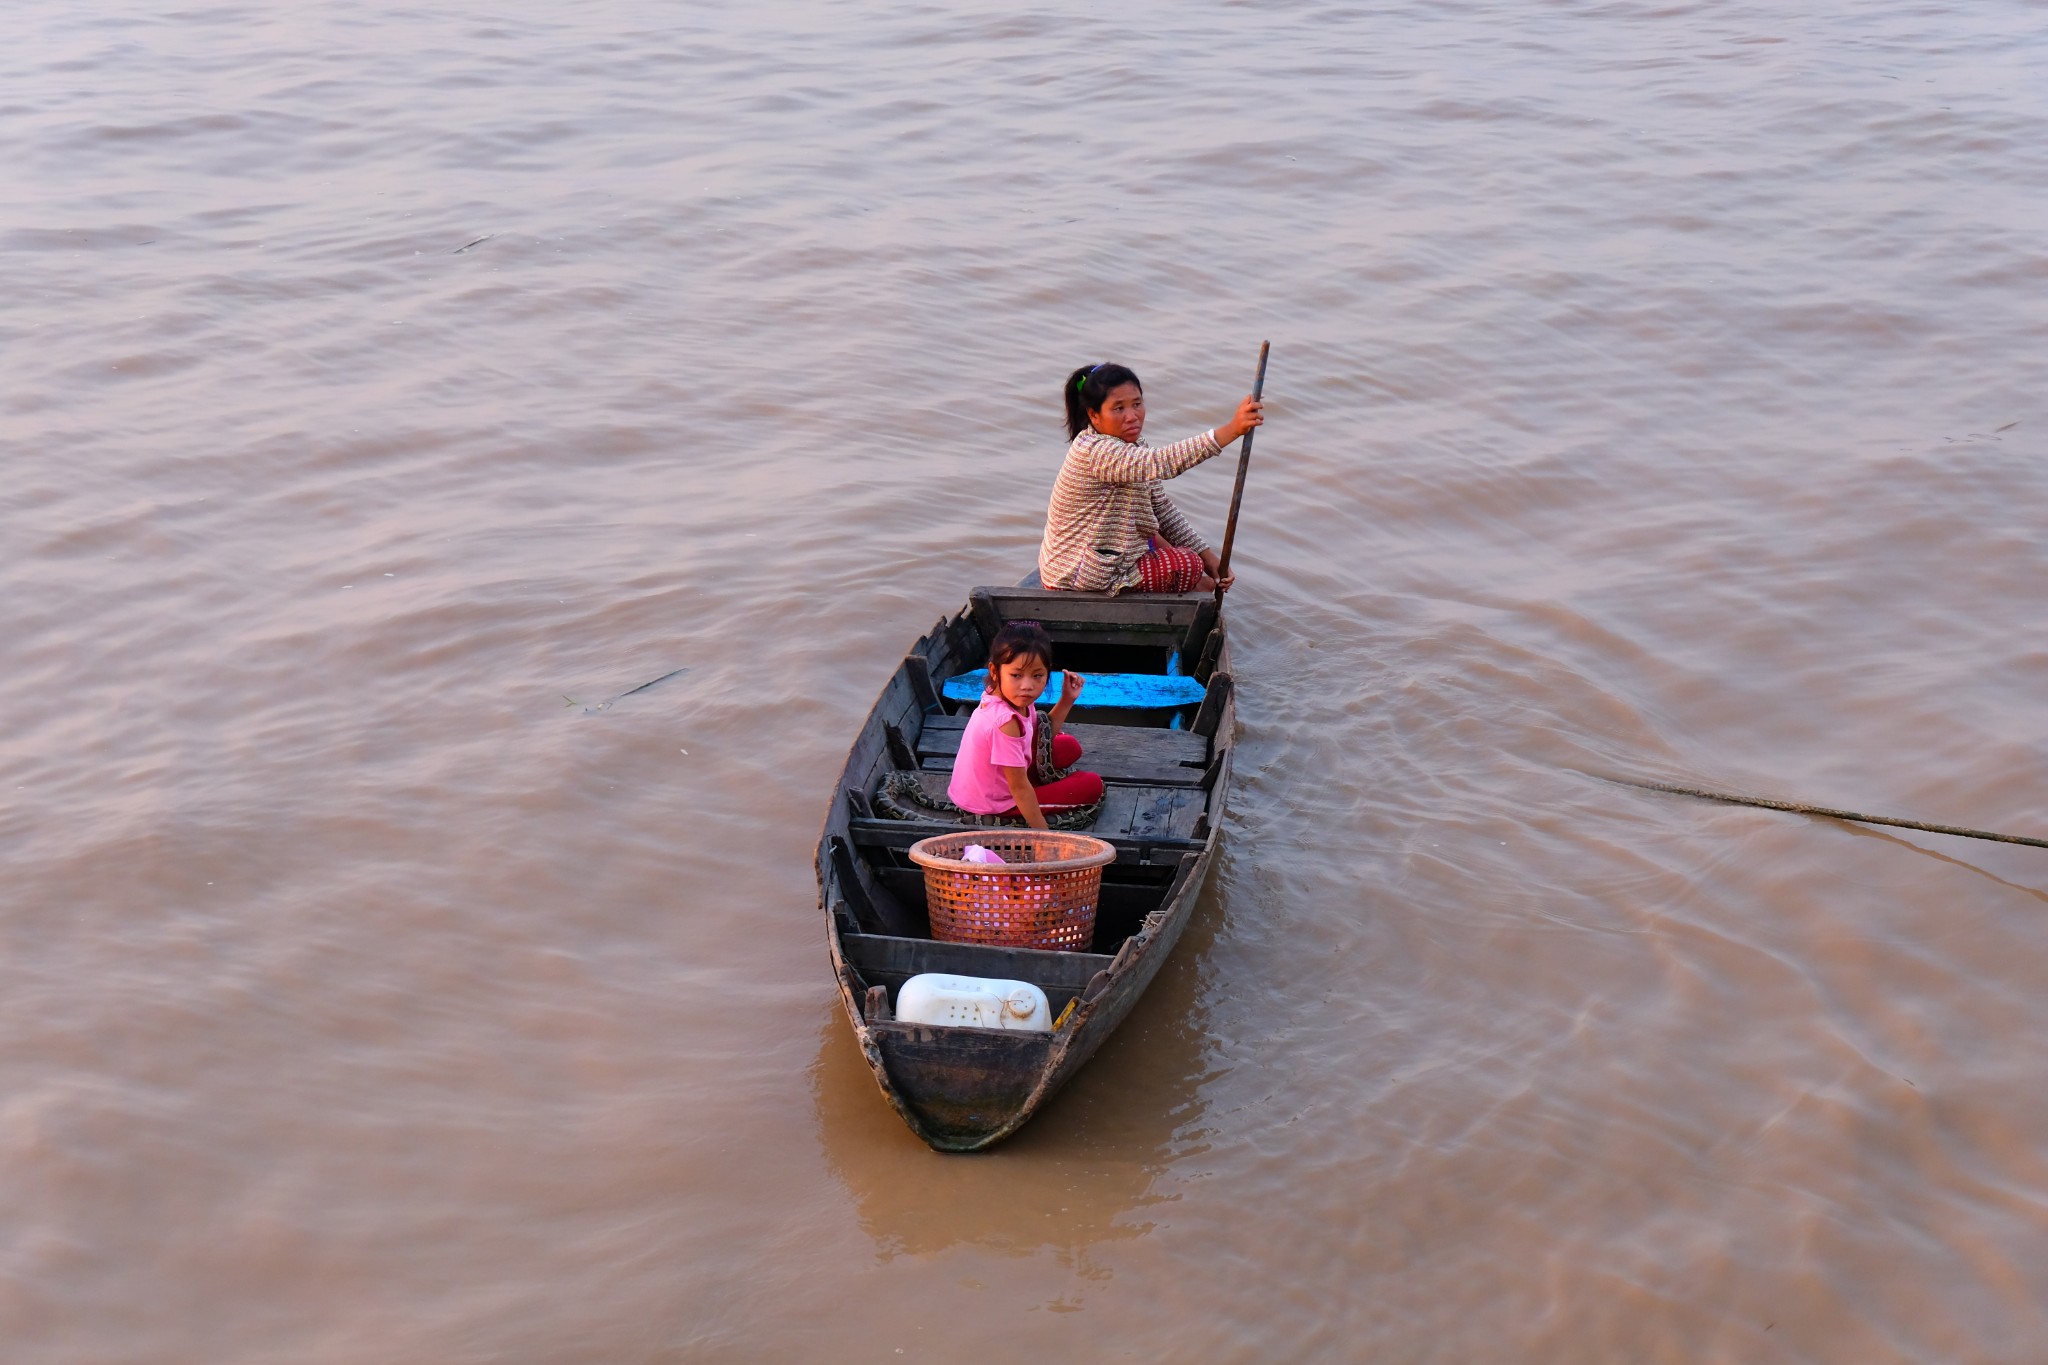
(1166, 770)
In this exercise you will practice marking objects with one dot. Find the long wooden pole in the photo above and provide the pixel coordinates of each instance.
(1798, 809)
(1244, 462)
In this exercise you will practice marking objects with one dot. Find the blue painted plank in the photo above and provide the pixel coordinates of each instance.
(1133, 691)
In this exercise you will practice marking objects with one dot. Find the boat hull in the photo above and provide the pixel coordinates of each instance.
(966, 1089)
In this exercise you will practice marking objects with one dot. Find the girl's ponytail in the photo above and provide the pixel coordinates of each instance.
(1088, 388)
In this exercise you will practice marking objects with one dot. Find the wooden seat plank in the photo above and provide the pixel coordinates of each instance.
(1119, 804)
(1173, 815)
(1129, 810)
(1131, 815)
(1140, 611)
(876, 833)
(1151, 813)
(1121, 753)
(893, 960)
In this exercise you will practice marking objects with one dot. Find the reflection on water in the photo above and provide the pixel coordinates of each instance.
(913, 1201)
(1081, 1174)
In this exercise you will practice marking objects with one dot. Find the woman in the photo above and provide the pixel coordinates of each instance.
(1111, 528)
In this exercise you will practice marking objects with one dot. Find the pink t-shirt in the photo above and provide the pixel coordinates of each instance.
(977, 785)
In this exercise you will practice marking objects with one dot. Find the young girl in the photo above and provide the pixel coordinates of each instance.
(992, 773)
(1110, 527)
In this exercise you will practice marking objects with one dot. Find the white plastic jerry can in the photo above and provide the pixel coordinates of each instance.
(973, 1002)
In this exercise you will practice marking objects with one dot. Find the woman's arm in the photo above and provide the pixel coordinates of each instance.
(1114, 461)
(1110, 460)
(1212, 567)
(1026, 797)
(1174, 528)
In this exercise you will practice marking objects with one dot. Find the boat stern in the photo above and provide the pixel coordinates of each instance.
(960, 1089)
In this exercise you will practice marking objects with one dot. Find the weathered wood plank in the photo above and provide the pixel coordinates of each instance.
(1190, 808)
(1162, 634)
(1037, 604)
(895, 703)
(904, 833)
(941, 737)
(842, 917)
(884, 914)
(1152, 812)
(987, 618)
(964, 642)
(1121, 753)
(1122, 806)
(901, 755)
(1162, 638)
(893, 960)
(1198, 635)
(867, 748)
(1119, 805)
(919, 670)
(963, 1084)
(1211, 713)
(1212, 650)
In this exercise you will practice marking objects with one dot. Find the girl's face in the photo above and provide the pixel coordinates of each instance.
(1022, 680)
(1122, 414)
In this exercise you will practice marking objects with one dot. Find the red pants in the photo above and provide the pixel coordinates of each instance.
(1168, 568)
(1075, 789)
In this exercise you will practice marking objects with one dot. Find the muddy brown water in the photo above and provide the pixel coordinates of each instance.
(1656, 389)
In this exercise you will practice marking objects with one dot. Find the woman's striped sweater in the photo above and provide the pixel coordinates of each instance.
(1106, 507)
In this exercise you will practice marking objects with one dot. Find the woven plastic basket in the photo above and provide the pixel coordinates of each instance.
(1042, 895)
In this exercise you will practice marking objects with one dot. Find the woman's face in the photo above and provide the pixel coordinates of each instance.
(1122, 414)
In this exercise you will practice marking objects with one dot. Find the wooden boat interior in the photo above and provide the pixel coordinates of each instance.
(1161, 769)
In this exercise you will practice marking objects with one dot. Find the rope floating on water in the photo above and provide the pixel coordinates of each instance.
(1798, 808)
(609, 702)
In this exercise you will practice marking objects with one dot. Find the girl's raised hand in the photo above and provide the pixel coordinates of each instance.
(1070, 687)
(1250, 413)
